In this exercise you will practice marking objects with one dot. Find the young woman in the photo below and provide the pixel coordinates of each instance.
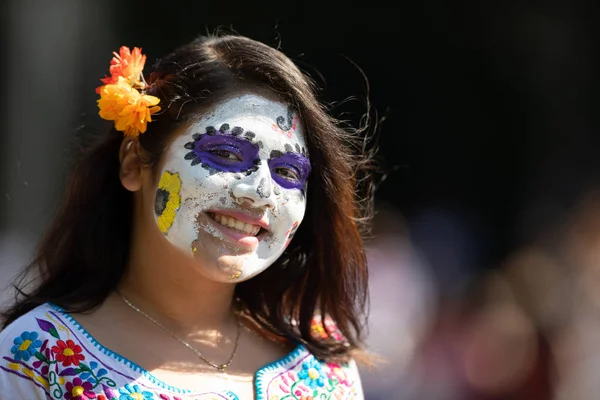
(208, 246)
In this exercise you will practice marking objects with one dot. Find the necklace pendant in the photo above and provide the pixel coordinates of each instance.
(219, 367)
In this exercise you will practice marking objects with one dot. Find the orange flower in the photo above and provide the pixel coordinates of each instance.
(128, 64)
(130, 109)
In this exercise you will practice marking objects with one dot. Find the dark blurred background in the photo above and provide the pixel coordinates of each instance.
(484, 269)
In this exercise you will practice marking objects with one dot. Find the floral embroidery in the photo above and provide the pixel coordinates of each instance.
(108, 394)
(25, 346)
(68, 353)
(67, 370)
(306, 378)
(312, 374)
(336, 372)
(325, 329)
(79, 390)
(133, 392)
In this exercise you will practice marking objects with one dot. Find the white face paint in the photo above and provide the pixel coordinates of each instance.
(233, 185)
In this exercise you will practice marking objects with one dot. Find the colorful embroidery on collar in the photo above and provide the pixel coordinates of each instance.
(52, 354)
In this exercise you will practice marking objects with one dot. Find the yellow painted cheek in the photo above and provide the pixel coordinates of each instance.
(171, 184)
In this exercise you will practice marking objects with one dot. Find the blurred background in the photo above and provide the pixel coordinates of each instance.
(485, 256)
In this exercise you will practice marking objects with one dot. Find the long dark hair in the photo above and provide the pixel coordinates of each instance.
(84, 255)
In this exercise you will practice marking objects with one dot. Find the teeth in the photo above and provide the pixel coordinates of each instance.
(236, 224)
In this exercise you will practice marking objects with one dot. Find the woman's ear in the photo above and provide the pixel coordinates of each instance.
(130, 172)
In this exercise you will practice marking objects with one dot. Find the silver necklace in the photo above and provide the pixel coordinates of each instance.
(219, 367)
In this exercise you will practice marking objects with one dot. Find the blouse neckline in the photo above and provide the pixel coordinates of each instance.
(286, 360)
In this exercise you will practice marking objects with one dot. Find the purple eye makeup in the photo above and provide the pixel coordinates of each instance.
(224, 150)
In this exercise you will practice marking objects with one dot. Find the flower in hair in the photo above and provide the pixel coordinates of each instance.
(120, 100)
(130, 109)
(128, 64)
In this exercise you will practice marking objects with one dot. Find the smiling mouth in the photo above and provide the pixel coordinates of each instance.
(236, 225)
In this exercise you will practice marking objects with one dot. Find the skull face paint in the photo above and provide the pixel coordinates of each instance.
(243, 187)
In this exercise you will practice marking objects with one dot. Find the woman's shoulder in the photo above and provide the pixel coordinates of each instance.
(23, 351)
(303, 376)
(46, 354)
(24, 336)
(300, 374)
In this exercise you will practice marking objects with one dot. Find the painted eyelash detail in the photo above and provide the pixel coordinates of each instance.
(224, 129)
(288, 149)
(277, 153)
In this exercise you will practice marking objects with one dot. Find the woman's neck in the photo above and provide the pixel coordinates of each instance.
(166, 284)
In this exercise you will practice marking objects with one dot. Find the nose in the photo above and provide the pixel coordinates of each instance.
(256, 188)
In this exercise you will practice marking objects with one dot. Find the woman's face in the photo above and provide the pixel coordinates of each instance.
(232, 187)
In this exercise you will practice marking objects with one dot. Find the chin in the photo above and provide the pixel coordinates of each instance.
(235, 268)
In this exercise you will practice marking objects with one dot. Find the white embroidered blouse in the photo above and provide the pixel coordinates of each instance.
(46, 354)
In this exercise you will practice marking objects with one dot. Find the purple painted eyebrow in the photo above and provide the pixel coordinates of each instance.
(206, 148)
(294, 161)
